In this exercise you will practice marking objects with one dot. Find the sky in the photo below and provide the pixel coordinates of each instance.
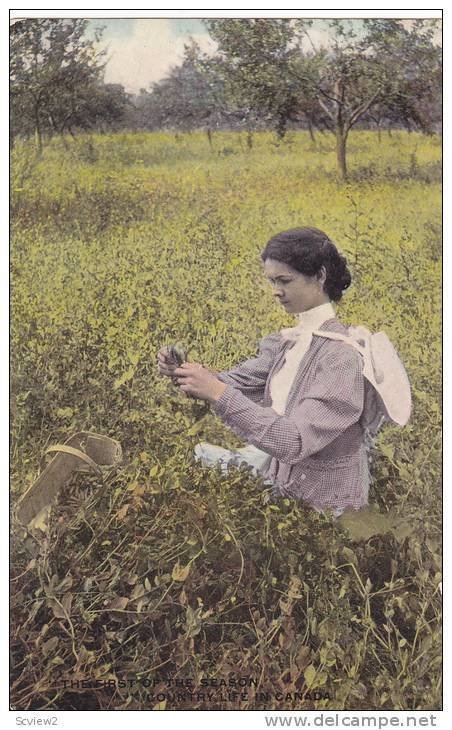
(142, 50)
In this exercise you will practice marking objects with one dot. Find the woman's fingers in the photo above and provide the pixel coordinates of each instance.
(188, 368)
(163, 355)
(186, 375)
(164, 365)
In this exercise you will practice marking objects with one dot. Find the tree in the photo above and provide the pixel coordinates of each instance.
(252, 63)
(273, 65)
(99, 106)
(185, 99)
(54, 69)
(348, 80)
(415, 101)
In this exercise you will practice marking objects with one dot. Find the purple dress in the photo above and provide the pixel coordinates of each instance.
(317, 450)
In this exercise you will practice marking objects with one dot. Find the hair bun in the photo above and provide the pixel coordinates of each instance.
(339, 277)
(308, 249)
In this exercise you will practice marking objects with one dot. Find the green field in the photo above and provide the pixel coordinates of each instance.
(122, 243)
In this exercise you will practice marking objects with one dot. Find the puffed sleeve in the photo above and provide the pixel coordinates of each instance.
(332, 404)
(250, 376)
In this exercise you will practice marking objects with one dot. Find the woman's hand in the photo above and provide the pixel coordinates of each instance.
(164, 363)
(199, 382)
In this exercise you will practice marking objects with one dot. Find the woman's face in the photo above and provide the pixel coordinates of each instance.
(295, 291)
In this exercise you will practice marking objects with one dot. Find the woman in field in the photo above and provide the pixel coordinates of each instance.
(300, 402)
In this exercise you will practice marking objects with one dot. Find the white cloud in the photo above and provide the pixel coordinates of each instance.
(147, 55)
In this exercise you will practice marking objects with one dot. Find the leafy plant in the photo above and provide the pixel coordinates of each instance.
(168, 569)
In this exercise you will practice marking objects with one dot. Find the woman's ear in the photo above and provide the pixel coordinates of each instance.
(322, 275)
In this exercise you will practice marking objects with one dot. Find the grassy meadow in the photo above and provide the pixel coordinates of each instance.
(122, 243)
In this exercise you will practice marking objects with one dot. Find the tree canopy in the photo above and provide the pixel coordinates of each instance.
(273, 66)
(264, 73)
(56, 75)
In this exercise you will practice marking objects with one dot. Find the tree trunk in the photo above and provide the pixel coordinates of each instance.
(311, 131)
(379, 131)
(63, 139)
(209, 137)
(341, 141)
(38, 134)
(249, 139)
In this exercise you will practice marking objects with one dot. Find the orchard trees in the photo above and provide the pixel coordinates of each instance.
(57, 78)
(273, 66)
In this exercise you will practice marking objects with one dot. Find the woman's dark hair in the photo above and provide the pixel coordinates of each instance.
(306, 250)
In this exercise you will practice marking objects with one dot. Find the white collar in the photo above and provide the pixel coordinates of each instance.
(315, 317)
(310, 320)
